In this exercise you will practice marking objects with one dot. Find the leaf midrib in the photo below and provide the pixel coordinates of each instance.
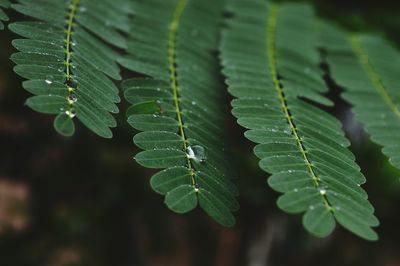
(72, 10)
(271, 58)
(172, 46)
(372, 74)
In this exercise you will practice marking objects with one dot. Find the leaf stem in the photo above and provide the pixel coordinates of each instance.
(172, 43)
(70, 83)
(272, 61)
(372, 74)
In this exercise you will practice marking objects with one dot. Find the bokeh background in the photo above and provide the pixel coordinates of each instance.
(84, 201)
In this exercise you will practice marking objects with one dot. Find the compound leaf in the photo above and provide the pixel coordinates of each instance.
(68, 62)
(367, 67)
(272, 67)
(178, 107)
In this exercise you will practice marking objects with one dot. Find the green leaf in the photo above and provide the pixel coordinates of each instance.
(64, 125)
(47, 104)
(66, 53)
(163, 183)
(161, 158)
(319, 220)
(299, 200)
(158, 140)
(300, 145)
(181, 199)
(177, 107)
(366, 66)
(150, 107)
(214, 207)
(3, 15)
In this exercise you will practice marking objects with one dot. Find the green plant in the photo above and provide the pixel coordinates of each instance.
(302, 146)
(3, 16)
(270, 55)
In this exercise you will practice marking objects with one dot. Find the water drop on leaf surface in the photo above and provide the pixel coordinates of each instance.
(196, 153)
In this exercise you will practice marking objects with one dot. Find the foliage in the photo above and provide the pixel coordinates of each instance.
(270, 55)
(180, 114)
(3, 15)
(360, 64)
(66, 74)
(302, 146)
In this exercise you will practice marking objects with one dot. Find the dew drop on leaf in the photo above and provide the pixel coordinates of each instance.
(49, 79)
(287, 131)
(70, 113)
(196, 153)
(71, 83)
(72, 98)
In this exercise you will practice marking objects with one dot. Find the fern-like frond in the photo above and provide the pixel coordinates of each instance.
(367, 67)
(67, 61)
(179, 110)
(271, 64)
(3, 15)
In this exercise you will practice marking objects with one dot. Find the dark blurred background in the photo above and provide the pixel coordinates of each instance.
(84, 201)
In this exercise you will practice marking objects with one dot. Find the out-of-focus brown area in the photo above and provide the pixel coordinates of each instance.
(83, 201)
(14, 200)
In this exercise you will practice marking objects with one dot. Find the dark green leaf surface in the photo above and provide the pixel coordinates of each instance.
(3, 15)
(367, 67)
(67, 61)
(271, 64)
(178, 107)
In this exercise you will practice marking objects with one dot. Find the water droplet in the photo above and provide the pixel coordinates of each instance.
(196, 153)
(322, 191)
(338, 208)
(73, 43)
(49, 79)
(158, 89)
(72, 98)
(287, 131)
(70, 113)
(193, 103)
(82, 9)
(196, 187)
(295, 190)
(71, 83)
(311, 207)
